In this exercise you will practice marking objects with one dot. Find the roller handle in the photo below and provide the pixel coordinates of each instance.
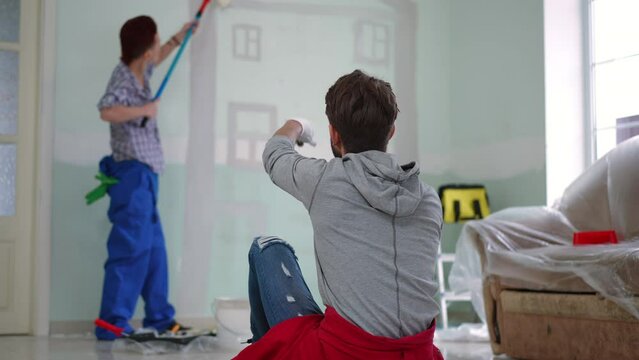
(177, 57)
(110, 327)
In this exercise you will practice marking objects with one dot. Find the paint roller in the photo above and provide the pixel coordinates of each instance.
(187, 37)
(179, 338)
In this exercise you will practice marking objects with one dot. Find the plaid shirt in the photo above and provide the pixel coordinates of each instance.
(129, 140)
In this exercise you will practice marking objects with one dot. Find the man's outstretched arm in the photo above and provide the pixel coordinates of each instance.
(299, 130)
(292, 172)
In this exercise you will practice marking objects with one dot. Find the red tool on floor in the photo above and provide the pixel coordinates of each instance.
(180, 337)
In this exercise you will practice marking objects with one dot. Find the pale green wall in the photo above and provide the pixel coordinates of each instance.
(433, 78)
(481, 88)
(481, 91)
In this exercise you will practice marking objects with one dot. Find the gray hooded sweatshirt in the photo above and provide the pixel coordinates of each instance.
(376, 229)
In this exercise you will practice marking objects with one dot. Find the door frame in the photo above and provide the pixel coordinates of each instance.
(27, 145)
(41, 284)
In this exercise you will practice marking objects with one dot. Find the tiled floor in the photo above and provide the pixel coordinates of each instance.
(86, 348)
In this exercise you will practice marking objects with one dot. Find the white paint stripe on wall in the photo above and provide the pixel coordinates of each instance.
(87, 149)
(496, 161)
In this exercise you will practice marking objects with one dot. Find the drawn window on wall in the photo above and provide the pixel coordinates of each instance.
(249, 126)
(247, 42)
(372, 43)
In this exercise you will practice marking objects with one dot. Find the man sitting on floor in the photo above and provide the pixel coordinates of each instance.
(376, 228)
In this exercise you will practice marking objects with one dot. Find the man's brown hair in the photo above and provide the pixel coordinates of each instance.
(363, 110)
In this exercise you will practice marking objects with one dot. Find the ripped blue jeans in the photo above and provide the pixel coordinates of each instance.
(277, 290)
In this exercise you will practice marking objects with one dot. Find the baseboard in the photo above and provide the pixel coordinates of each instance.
(86, 326)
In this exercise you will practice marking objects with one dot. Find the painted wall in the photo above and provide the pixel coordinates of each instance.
(480, 118)
(482, 114)
(211, 205)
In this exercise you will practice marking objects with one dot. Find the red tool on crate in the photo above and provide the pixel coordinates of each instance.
(180, 337)
(594, 238)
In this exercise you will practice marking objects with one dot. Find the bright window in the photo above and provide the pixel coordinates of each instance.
(615, 73)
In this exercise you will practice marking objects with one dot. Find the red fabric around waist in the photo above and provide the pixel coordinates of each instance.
(330, 336)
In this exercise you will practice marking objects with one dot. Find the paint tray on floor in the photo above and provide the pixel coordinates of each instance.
(150, 342)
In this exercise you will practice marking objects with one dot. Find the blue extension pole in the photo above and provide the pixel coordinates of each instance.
(187, 37)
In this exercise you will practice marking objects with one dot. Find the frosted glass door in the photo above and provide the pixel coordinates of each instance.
(18, 109)
(8, 92)
(9, 20)
(7, 180)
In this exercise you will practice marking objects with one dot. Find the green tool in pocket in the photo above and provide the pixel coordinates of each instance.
(101, 190)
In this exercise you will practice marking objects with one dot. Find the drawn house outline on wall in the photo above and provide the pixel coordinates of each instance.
(372, 39)
(204, 129)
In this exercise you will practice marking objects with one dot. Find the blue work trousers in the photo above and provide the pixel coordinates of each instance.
(137, 260)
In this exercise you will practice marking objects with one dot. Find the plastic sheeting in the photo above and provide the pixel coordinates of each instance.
(531, 248)
(202, 344)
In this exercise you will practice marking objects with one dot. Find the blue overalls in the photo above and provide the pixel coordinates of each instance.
(137, 260)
